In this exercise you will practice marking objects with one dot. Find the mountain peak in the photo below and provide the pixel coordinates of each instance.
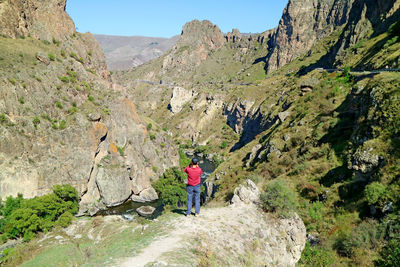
(195, 33)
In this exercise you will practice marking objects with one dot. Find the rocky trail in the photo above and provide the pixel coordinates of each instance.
(229, 233)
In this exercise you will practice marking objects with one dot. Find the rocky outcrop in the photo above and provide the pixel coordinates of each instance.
(293, 231)
(44, 20)
(179, 98)
(124, 161)
(247, 120)
(365, 18)
(302, 24)
(197, 40)
(246, 194)
(65, 123)
(305, 22)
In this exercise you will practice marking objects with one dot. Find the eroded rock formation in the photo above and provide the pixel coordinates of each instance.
(44, 20)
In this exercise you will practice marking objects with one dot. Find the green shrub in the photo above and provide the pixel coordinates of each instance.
(278, 198)
(316, 211)
(314, 256)
(62, 125)
(375, 194)
(183, 159)
(59, 105)
(52, 57)
(65, 219)
(63, 53)
(390, 255)
(36, 121)
(223, 145)
(91, 98)
(149, 126)
(21, 100)
(163, 145)
(171, 187)
(3, 118)
(73, 55)
(25, 217)
(394, 29)
(57, 43)
(12, 81)
(64, 79)
(152, 136)
(367, 235)
(202, 149)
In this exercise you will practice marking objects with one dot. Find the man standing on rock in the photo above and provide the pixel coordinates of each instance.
(194, 172)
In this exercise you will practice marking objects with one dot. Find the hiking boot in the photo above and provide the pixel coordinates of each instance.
(197, 215)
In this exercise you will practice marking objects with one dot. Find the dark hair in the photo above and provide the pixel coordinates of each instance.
(194, 161)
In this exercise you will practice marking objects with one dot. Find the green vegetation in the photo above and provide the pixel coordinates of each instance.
(278, 198)
(36, 121)
(91, 98)
(21, 100)
(121, 150)
(59, 105)
(314, 256)
(52, 57)
(3, 118)
(183, 159)
(171, 187)
(26, 217)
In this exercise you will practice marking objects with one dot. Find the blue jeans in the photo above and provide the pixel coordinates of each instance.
(190, 189)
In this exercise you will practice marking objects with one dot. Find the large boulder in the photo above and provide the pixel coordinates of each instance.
(246, 194)
(113, 185)
(146, 195)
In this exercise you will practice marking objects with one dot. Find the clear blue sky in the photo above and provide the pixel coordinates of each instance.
(165, 18)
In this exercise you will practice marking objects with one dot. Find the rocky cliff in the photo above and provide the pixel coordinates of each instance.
(197, 40)
(44, 20)
(63, 121)
(301, 25)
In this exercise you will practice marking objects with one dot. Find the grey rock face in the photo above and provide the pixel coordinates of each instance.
(113, 184)
(197, 40)
(302, 24)
(365, 161)
(147, 195)
(179, 98)
(44, 20)
(246, 194)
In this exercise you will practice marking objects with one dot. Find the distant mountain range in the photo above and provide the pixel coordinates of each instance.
(125, 52)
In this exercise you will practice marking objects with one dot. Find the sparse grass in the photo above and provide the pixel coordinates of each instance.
(119, 240)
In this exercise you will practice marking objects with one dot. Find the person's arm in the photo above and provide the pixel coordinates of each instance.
(186, 169)
(201, 171)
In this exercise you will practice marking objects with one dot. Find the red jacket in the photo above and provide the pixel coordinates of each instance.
(193, 175)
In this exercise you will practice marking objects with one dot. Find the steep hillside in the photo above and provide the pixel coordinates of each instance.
(63, 121)
(332, 135)
(126, 52)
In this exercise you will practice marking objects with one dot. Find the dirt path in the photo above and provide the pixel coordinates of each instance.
(230, 233)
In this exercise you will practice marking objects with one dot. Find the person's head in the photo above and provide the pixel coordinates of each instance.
(195, 161)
